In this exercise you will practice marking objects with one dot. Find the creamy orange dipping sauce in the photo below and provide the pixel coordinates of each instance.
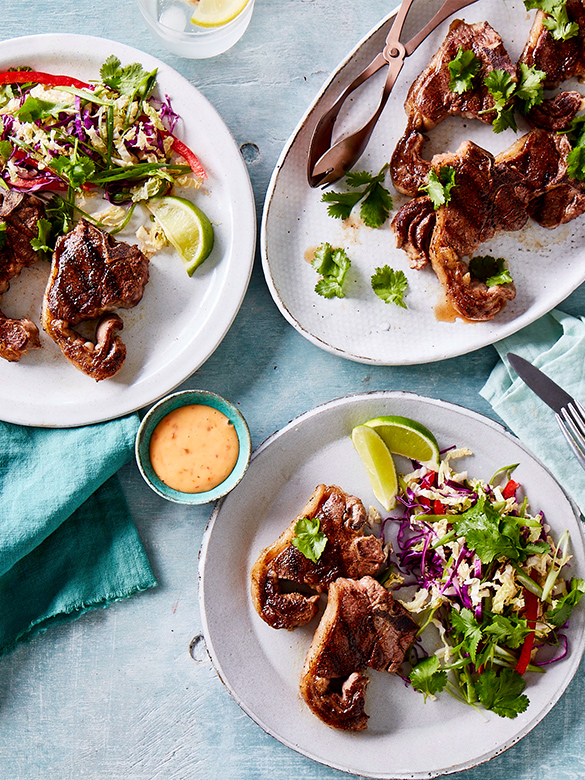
(194, 448)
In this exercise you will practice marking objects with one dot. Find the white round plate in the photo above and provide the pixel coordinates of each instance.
(261, 666)
(547, 265)
(180, 320)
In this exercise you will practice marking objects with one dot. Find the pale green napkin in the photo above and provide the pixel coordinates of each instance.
(67, 539)
(556, 344)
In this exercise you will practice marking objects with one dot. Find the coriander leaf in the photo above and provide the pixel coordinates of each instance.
(556, 20)
(510, 631)
(466, 624)
(308, 539)
(390, 285)
(491, 270)
(74, 171)
(426, 677)
(463, 69)
(130, 80)
(359, 178)
(529, 91)
(576, 131)
(576, 163)
(480, 525)
(329, 287)
(341, 203)
(376, 206)
(501, 87)
(5, 149)
(60, 213)
(439, 186)
(34, 109)
(42, 240)
(376, 200)
(561, 612)
(333, 265)
(502, 692)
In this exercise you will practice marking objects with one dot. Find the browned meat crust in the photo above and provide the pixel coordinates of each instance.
(91, 275)
(492, 194)
(348, 553)
(560, 60)
(430, 101)
(362, 627)
(20, 212)
(557, 113)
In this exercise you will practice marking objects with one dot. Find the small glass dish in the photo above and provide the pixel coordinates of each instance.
(169, 404)
(170, 21)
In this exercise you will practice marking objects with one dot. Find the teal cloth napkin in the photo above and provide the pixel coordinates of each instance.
(556, 344)
(67, 540)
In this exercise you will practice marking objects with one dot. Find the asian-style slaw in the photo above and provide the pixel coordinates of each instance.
(69, 137)
(487, 577)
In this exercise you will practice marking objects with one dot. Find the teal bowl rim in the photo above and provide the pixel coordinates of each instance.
(168, 404)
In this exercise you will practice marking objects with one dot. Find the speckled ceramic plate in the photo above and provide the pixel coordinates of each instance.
(181, 320)
(546, 265)
(261, 666)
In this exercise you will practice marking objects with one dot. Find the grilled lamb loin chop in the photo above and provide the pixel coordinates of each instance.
(560, 60)
(91, 275)
(362, 627)
(491, 194)
(20, 213)
(348, 553)
(430, 101)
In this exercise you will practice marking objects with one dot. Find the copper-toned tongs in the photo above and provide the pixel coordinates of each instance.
(327, 163)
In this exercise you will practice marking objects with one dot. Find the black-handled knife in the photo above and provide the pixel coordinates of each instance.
(570, 415)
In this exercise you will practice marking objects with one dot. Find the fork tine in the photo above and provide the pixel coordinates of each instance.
(572, 424)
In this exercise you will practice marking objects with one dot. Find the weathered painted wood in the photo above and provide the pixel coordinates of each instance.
(119, 694)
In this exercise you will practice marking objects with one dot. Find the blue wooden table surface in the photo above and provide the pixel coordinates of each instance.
(119, 694)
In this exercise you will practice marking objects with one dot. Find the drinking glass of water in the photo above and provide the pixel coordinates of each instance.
(197, 28)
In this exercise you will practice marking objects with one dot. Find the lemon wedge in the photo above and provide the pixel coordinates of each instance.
(215, 13)
(407, 437)
(379, 464)
(186, 227)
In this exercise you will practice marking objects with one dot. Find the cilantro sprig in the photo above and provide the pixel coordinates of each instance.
(332, 264)
(439, 185)
(495, 536)
(510, 95)
(576, 157)
(476, 642)
(390, 285)
(131, 80)
(556, 19)
(309, 539)
(376, 201)
(463, 69)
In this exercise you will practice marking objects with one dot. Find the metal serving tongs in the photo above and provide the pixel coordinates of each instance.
(327, 163)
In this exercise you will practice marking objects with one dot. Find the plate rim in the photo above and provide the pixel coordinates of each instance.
(214, 516)
(245, 217)
(524, 319)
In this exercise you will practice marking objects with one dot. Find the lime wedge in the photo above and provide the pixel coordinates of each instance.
(214, 13)
(186, 227)
(407, 437)
(379, 465)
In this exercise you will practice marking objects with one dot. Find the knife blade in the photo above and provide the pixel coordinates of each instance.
(544, 387)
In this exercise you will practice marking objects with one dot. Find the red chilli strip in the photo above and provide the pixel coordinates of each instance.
(39, 77)
(180, 148)
(531, 613)
(438, 507)
(510, 489)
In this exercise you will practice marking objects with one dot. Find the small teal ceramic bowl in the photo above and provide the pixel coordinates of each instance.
(169, 404)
